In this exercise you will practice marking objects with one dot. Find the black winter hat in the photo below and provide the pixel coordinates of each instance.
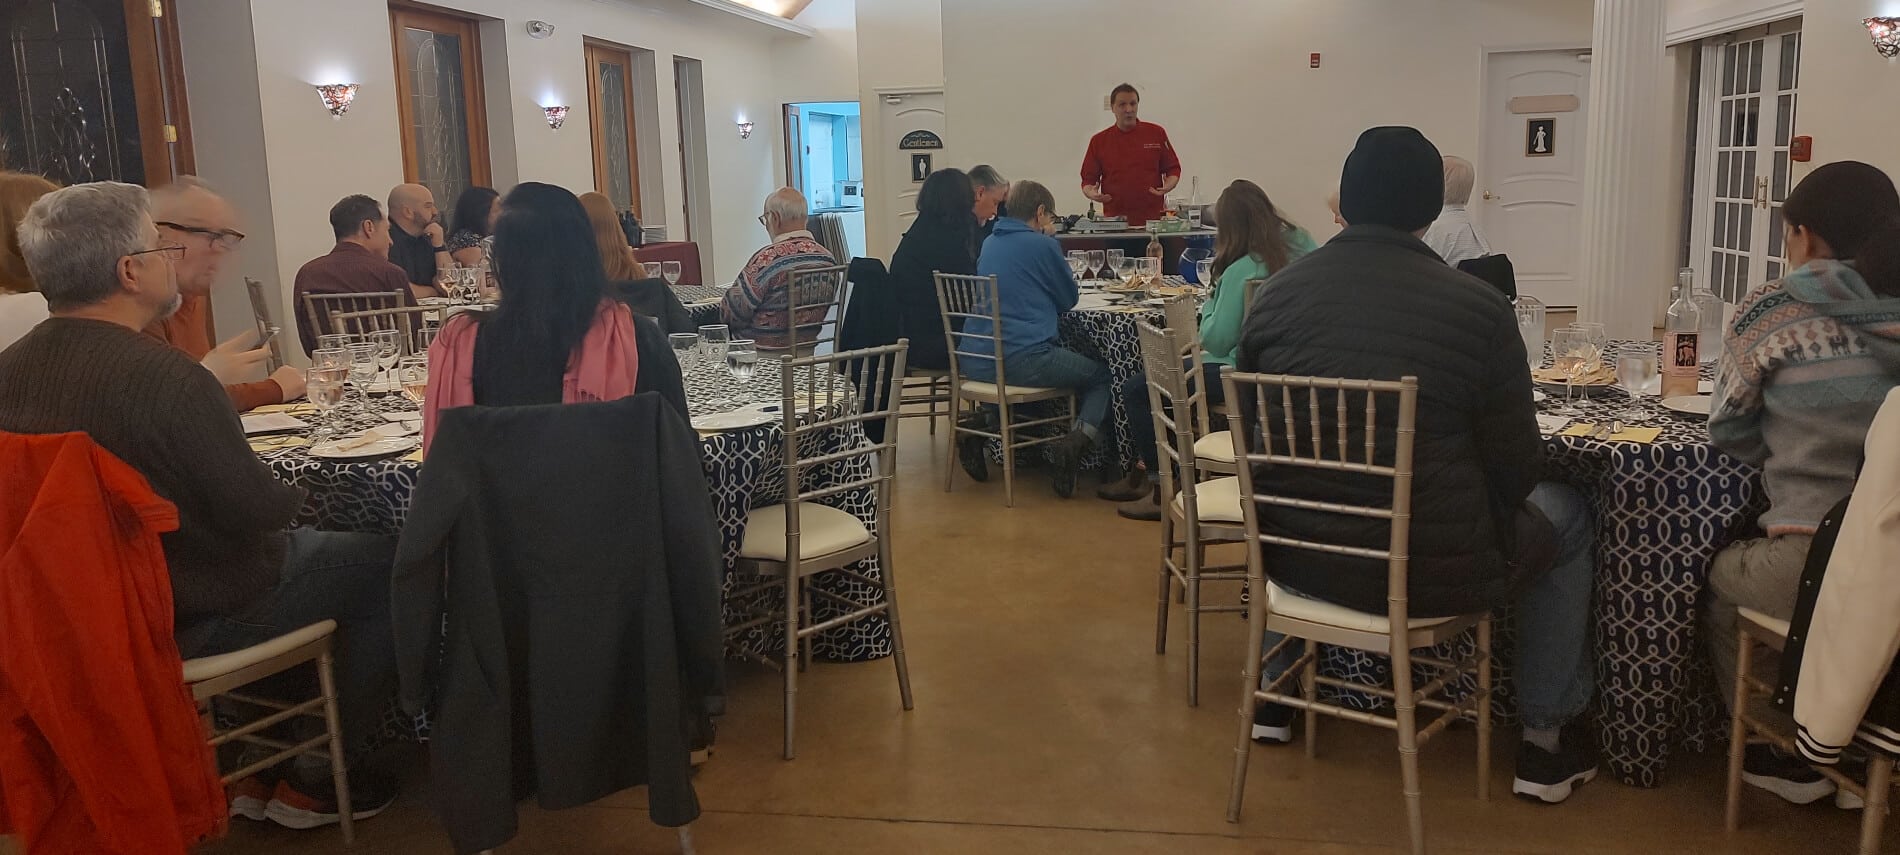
(1394, 177)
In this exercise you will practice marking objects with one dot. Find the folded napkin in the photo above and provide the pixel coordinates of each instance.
(413, 457)
(277, 443)
(1627, 434)
(1548, 425)
(294, 407)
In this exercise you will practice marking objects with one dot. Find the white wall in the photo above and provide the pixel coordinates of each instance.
(825, 66)
(1231, 82)
(901, 44)
(281, 135)
(1695, 19)
(1847, 90)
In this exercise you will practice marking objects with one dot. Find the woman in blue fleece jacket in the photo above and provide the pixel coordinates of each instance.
(1035, 285)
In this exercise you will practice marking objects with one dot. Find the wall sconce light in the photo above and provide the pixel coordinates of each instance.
(1886, 35)
(337, 97)
(745, 130)
(556, 116)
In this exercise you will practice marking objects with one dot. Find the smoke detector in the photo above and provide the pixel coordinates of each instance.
(540, 29)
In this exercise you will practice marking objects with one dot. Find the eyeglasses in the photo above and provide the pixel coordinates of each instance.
(222, 238)
(171, 251)
(762, 221)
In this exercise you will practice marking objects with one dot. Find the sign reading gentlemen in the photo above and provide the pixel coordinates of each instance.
(919, 140)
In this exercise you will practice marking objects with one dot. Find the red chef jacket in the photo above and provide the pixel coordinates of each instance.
(1129, 165)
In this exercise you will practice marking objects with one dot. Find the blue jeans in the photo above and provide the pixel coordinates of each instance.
(1555, 674)
(327, 575)
(1057, 367)
(1141, 421)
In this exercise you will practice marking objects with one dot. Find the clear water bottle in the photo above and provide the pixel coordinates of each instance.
(1712, 311)
(1682, 339)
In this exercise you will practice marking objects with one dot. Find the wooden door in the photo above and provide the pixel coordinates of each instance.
(439, 97)
(93, 90)
(610, 108)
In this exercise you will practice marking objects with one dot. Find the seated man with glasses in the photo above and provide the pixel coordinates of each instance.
(239, 576)
(759, 306)
(190, 214)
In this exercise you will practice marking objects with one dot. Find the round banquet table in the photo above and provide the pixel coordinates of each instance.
(701, 301)
(1663, 509)
(744, 469)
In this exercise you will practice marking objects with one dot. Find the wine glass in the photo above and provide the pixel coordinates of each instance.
(1636, 367)
(1567, 349)
(332, 341)
(1115, 257)
(1078, 259)
(425, 338)
(712, 342)
(389, 348)
(655, 269)
(325, 390)
(685, 348)
(1125, 269)
(1204, 271)
(362, 365)
(448, 283)
(670, 271)
(330, 357)
(1096, 257)
(742, 358)
(413, 374)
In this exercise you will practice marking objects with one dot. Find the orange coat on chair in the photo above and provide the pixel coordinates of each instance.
(101, 748)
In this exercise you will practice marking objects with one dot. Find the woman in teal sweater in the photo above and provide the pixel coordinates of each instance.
(1255, 242)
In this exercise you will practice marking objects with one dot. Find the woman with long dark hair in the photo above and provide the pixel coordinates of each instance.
(472, 221)
(556, 337)
(1255, 242)
(941, 240)
(1807, 362)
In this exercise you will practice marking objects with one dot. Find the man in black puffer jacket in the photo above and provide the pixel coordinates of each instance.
(1376, 303)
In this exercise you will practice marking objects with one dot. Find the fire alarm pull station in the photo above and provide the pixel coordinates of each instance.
(1801, 149)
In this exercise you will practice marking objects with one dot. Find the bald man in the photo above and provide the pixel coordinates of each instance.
(759, 305)
(417, 244)
(190, 214)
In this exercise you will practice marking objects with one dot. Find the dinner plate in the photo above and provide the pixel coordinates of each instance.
(1689, 405)
(735, 420)
(349, 449)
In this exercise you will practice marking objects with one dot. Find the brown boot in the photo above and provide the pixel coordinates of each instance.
(1147, 509)
(1128, 489)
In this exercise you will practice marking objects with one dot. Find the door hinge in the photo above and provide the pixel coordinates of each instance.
(171, 133)
(158, 8)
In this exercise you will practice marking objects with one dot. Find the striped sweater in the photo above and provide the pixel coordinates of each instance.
(759, 302)
(1808, 361)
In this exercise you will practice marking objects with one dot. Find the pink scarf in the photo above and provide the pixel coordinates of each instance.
(605, 368)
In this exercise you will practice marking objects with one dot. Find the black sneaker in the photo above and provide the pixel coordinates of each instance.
(1273, 723)
(300, 805)
(1069, 452)
(1787, 776)
(1550, 778)
(972, 452)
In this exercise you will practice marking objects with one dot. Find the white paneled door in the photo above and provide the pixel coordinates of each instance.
(1536, 110)
(906, 114)
(1749, 87)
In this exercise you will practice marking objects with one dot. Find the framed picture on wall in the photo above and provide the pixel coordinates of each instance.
(919, 168)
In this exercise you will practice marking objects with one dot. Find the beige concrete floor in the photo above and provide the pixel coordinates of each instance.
(1046, 723)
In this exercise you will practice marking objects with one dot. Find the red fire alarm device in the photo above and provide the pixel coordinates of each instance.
(1801, 149)
(1314, 61)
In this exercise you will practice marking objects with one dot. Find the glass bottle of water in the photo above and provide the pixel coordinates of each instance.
(1682, 334)
(1712, 311)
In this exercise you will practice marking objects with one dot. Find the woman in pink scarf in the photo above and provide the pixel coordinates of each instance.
(556, 337)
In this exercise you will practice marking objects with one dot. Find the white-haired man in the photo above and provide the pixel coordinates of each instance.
(992, 191)
(1453, 235)
(759, 305)
(238, 576)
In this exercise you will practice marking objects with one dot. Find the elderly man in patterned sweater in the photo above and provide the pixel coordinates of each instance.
(759, 305)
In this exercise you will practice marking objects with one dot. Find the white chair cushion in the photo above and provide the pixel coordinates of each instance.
(1217, 501)
(207, 667)
(1774, 625)
(990, 390)
(1294, 606)
(1218, 447)
(822, 530)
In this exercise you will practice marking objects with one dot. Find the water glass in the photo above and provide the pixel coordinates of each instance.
(325, 391)
(389, 348)
(685, 348)
(333, 341)
(1096, 257)
(425, 338)
(1079, 259)
(413, 374)
(655, 270)
(712, 342)
(330, 357)
(742, 358)
(670, 271)
(362, 364)
(1636, 368)
(1531, 316)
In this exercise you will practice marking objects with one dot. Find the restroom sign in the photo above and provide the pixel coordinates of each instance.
(920, 141)
(1540, 137)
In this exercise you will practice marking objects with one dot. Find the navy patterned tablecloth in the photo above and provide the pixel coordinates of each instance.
(744, 469)
(701, 301)
(1663, 509)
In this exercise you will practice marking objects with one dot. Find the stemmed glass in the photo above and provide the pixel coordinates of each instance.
(685, 349)
(425, 337)
(389, 348)
(1078, 259)
(1125, 268)
(1568, 348)
(1204, 271)
(413, 374)
(670, 271)
(1636, 367)
(324, 387)
(332, 341)
(712, 342)
(1096, 257)
(363, 365)
(1115, 257)
(655, 269)
(742, 359)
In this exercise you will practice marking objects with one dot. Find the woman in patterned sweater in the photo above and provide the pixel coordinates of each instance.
(1807, 363)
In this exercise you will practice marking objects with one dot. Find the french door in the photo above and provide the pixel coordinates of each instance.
(610, 85)
(439, 99)
(1750, 87)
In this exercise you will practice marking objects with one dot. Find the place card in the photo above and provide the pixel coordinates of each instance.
(255, 423)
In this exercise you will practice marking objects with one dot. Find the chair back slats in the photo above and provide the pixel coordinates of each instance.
(818, 395)
(1251, 399)
(407, 320)
(814, 309)
(260, 311)
(1173, 403)
(1184, 318)
(322, 306)
(961, 299)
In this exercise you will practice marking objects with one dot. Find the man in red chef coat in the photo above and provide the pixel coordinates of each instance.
(1131, 167)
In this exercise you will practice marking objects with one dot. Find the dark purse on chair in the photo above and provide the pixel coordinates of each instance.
(1495, 270)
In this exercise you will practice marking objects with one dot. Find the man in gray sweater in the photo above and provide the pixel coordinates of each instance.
(239, 577)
